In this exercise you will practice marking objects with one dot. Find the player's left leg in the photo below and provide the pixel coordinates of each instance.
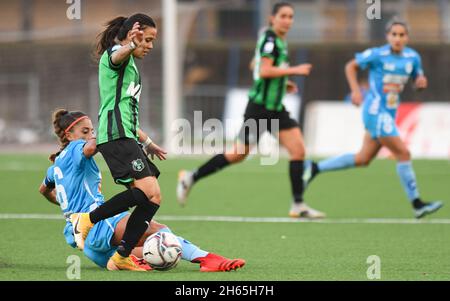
(209, 262)
(407, 176)
(292, 140)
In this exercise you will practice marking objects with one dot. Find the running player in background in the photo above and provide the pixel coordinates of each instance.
(73, 182)
(390, 68)
(271, 71)
(123, 41)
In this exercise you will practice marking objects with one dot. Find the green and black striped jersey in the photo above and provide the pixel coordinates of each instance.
(270, 91)
(120, 89)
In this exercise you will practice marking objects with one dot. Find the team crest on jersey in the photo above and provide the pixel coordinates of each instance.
(269, 46)
(138, 165)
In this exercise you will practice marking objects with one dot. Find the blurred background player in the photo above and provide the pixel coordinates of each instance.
(73, 183)
(390, 67)
(271, 71)
(118, 133)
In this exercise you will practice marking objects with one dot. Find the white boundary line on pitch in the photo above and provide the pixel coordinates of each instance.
(240, 219)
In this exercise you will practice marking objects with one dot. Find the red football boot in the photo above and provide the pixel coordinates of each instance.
(141, 263)
(216, 263)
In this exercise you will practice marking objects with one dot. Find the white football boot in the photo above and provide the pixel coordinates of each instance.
(303, 210)
(185, 183)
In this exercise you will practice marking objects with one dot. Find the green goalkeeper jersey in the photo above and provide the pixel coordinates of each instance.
(269, 92)
(120, 89)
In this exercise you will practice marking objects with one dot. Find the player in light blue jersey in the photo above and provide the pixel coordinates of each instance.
(74, 183)
(390, 67)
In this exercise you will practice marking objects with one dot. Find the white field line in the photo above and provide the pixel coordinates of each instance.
(241, 219)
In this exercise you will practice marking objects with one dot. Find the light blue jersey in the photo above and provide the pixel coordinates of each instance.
(388, 74)
(77, 181)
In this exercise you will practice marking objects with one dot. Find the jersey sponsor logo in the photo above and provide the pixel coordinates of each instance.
(138, 165)
(394, 83)
(409, 54)
(392, 101)
(389, 67)
(134, 91)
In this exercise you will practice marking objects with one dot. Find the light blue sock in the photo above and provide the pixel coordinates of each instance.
(336, 163)
(408, 179)
(189, 250)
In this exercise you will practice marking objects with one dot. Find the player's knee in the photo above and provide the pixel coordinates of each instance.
(155, 227)
(156, 198)
(297, 154)
(363, 161)
(236, 158)
(144, 197)
(404, 155)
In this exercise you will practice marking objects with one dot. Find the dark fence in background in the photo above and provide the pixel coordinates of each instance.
(36, 78)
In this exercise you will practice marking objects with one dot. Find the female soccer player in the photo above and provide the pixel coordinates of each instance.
(73, 183)
(123, 41)
(390, 67)
(271, 71)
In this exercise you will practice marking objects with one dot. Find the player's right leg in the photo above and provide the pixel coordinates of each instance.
(363, 158)
(138, 221)
(407, 176)
(209, 262)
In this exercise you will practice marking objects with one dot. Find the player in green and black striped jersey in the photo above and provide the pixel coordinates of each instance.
(271, 71)
(123, 41)
(269, 91)
(120, 89)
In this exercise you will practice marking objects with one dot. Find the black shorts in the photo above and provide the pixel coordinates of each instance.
(258, 120)
(127, 161)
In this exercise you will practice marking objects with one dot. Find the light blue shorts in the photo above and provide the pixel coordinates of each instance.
(97, 246)
(380, 125)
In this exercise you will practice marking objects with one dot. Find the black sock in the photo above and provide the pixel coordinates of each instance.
(417, 203)
(296, 175)
(137, 223)
(215, 164)
(117, 204)
(315, 169)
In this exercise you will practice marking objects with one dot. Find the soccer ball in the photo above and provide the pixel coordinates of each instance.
(162, 251)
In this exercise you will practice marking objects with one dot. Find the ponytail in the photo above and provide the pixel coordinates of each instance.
(117, 30)
(62, 121)
(107, 38)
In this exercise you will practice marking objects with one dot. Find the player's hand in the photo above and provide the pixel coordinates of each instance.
(357, 98)
(421, 82)
(154, 150)
(292, 87)
(136, 34)
(303, 69)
